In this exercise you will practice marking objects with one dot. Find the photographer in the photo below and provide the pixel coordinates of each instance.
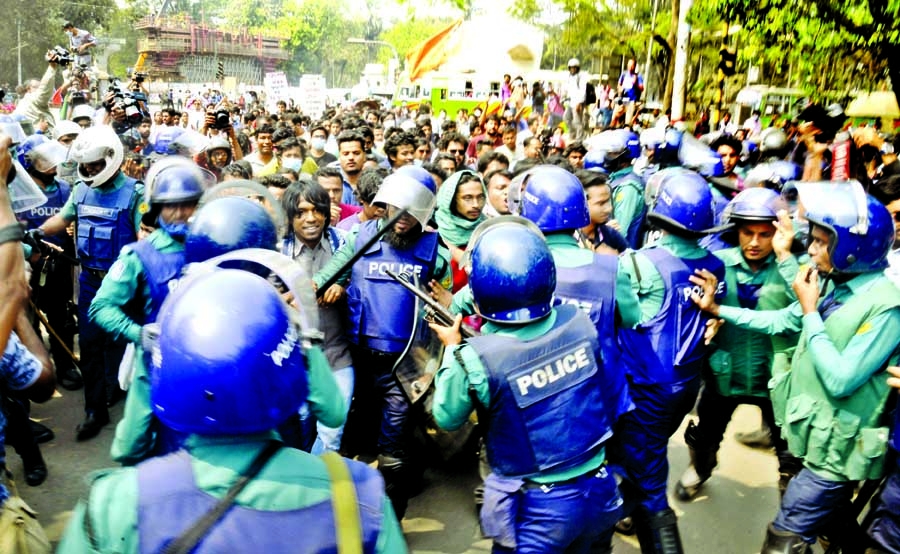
(125, 108)
(217, 123)
(35, 104)
(81, 42)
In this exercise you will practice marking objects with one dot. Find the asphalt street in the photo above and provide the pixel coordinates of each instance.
(730, 516)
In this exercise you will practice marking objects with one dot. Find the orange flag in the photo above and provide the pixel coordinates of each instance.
(432, 53)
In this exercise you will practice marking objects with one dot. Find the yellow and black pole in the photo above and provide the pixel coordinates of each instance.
(727, 68)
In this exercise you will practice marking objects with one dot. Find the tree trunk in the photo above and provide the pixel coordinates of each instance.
(893, 63)
(670, 76)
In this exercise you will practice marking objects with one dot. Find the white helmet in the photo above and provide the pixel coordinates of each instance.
(83, 110)
(573, 62)
(66, 127)
(94, 144)
(413, 189)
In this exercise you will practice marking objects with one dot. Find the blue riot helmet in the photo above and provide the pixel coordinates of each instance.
(666, 153)
(513, 275)
(228, 359)
(683, 203)
(412, 188)
(25, 147)
(175, 180)
(756, 204)
(861, 228)
(613, 149)
(554, 200)
(594, 161)
(632, 143)
(226, 224)
(695, 155)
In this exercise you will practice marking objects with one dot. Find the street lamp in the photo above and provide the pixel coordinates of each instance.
(392, 67)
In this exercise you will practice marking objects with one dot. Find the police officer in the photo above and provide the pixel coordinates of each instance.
(613, 152)
(105, 206)
(554, 200)
(51, 281)
(757, 272)
(230, 365)
(664, 353)
(140, 278)
(831, 402)
(539, 383)
(384, 316)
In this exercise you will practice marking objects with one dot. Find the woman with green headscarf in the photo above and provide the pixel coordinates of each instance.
(460, 208)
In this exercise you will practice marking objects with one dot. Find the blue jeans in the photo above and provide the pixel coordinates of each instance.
(809, 503)
(329, 438)
(565, 518)
(886, 527)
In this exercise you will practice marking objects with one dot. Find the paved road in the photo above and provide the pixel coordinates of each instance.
(729, 518)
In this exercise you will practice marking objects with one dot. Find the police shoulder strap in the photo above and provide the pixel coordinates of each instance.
(192, 536)
(344, 505)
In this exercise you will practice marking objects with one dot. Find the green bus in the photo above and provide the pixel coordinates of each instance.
(448, 92)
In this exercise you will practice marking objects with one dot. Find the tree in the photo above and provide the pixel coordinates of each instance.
(827, 45)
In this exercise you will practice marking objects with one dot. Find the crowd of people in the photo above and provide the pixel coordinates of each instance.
(243, 280)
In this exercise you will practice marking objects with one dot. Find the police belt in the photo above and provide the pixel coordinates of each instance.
(590, 474)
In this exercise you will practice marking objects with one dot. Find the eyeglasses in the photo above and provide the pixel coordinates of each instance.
(455, 152)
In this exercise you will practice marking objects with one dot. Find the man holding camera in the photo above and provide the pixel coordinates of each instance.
(80, 42)
(35, 103)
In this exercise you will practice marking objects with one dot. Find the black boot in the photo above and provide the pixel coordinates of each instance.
(396, 486)
(783, 542)
(41, 432)
(658, 533)
(703, 460)
(35, 467)
(91, 426)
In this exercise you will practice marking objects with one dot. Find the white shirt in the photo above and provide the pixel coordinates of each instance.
(575, 88)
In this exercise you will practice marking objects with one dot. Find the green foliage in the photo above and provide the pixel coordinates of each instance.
(406, 35)
(818, 45)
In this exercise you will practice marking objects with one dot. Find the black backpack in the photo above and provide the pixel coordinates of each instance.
(590, 94)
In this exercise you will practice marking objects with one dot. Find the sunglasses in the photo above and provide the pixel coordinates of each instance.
(454, 152)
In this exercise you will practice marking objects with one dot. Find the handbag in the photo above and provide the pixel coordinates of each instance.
(20, 531)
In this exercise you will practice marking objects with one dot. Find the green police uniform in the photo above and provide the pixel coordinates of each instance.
(627, 200)
(830, 402)
(291, 480)
(741, 364)
(69, 211)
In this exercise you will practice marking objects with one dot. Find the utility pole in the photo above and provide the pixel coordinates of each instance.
(683, 37)
(19, 47)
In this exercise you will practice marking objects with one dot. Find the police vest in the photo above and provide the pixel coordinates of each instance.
(742, 362)
(841, 439)
(546, 410)
(631, 180)
(669, 347)
(105, 224)
(592, 289)
(169, 502)
(35, 217)
(382, 312)
(160, 272)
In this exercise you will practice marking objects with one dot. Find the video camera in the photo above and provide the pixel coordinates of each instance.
(128, 101)
(63, 56)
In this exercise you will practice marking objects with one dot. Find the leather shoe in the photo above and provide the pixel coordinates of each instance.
(69, 379)
(91, 426)
(41, 433)
(35, 469)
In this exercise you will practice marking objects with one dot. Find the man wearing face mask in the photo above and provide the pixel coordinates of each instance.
(291, 156)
